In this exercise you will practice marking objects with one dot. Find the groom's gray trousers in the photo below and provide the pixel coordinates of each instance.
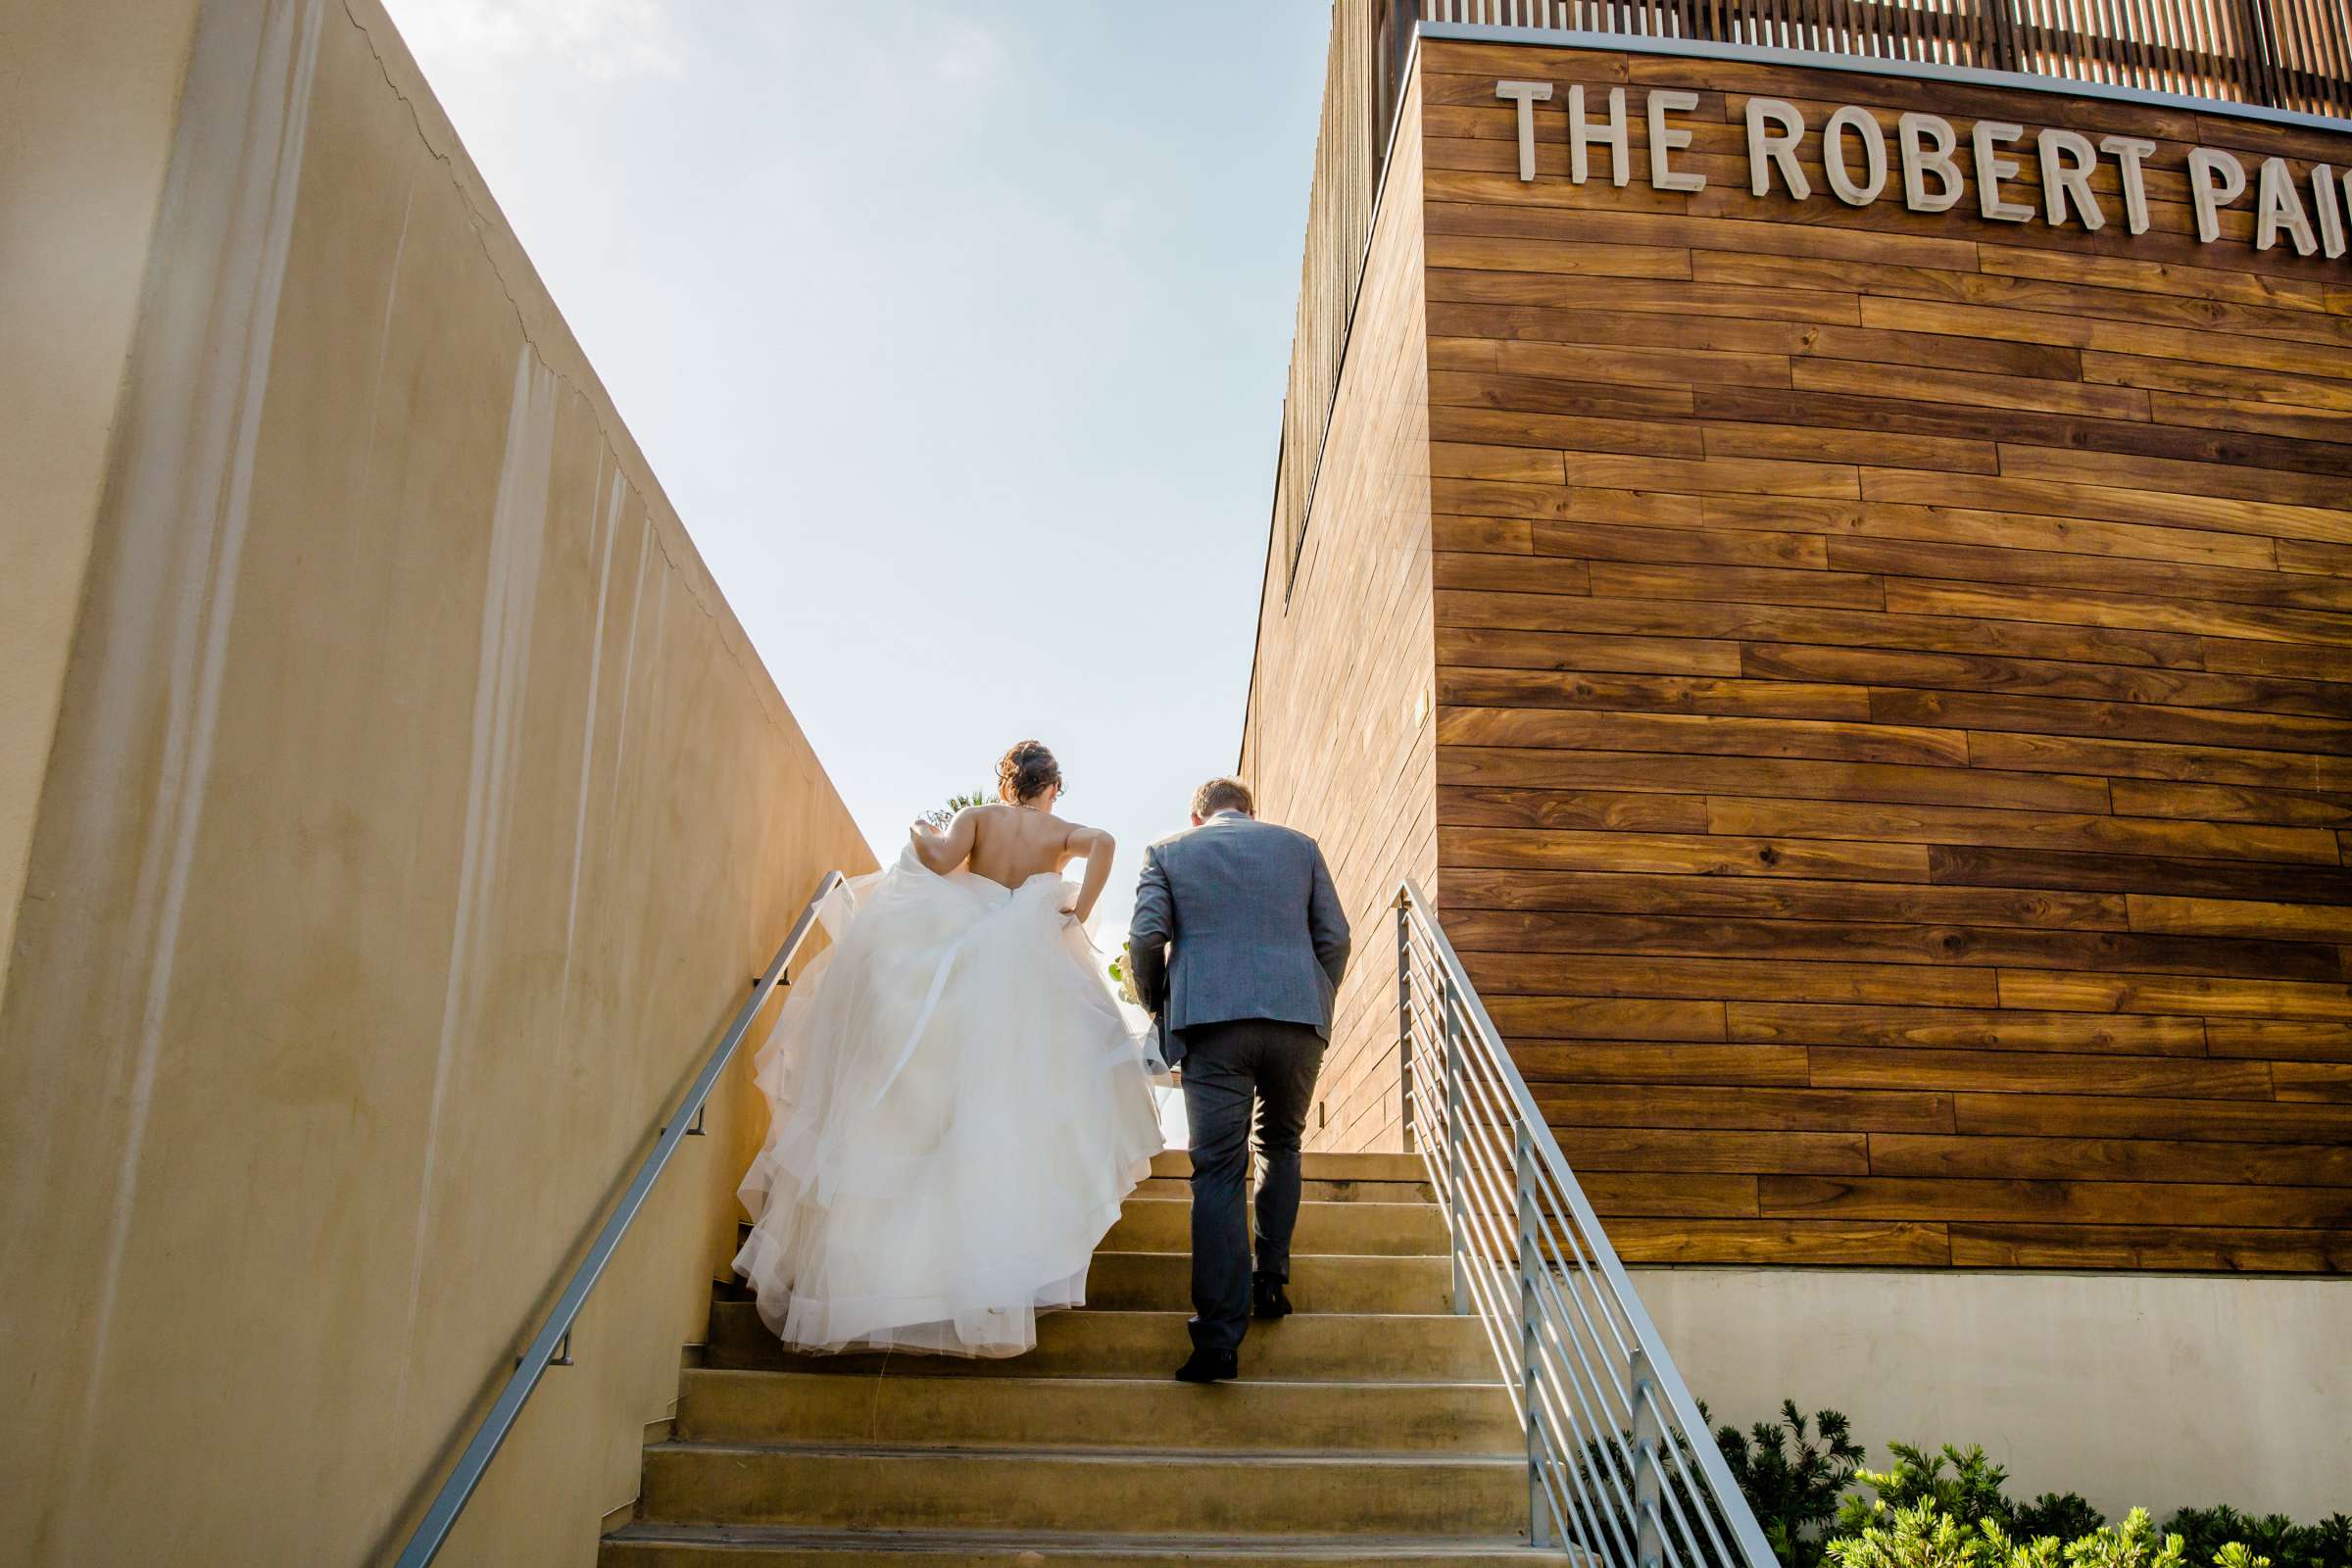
(1226, 1067)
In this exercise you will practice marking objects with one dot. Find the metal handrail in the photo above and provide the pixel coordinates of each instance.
(1620, 1463)
(551, 1345)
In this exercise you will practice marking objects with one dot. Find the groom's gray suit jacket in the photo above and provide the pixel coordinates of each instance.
(1235, 918)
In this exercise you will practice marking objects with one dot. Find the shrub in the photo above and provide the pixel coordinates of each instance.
(1924, 1535)
(1793, 1480)
(1940, 1509)
(2287, 1545)
(1918, 1536)
(1970, 1496)
(2065, 1515)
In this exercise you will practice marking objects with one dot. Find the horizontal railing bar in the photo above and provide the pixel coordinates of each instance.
(457, 1489)
(1588, 1514)
(1611, 1395)
(1570, 1279)
(1485, 1223)
(1565, 1384)
(1605, 1434)
(1554, 1169)
(1556, 1494)
(1568, 1384)
(1584, 1268)
(1489, 1292)
(1493, 1321)
(1489, 1236)
(1674, 1450)
(1492, 1183)
(1488, 1295)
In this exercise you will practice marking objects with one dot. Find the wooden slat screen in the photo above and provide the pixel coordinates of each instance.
(2283, 54)
(1339, 216)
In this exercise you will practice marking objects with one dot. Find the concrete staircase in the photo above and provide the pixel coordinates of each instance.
(1370, 1428)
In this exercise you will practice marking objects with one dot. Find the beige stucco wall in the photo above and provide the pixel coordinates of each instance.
(2159, 1389)
(85, 129)
(416, 813)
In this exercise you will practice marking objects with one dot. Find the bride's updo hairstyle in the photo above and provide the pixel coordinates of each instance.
(1026, 771)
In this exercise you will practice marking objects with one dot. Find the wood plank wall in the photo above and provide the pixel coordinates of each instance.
(1893, 690)
(1339, 739)
(1338, 215)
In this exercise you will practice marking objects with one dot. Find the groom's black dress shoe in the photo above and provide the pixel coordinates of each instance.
(1267, 1299)
(1209, 1366)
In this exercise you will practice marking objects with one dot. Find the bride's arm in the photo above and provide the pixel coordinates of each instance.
(1098, 846)
(942, 852)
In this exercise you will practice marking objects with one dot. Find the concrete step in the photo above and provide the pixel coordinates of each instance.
(1086, 1491)
(1160, 1282)
(1317, 1167)
(1147, 1411)
(1369, 1218)
(1355, 1229)
(1315, 1191)
(660, 1545)
(1436, 1347)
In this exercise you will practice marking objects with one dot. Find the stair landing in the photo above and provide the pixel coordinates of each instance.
(1369, 1428)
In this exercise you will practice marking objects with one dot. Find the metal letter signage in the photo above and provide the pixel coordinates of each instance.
(2311, 214)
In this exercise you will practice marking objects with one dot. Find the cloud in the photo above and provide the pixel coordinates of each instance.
(603, 40)
(967, 52)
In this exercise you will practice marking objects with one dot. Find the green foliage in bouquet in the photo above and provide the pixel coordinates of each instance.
(945, 815)
(1122, 975)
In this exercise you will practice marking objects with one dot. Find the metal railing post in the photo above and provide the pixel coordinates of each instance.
(1538, 1513)
(1457, 1180)
(1650, 1438)
(1404, 1019)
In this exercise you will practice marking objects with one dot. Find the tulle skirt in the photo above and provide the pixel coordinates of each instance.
(959, 1108)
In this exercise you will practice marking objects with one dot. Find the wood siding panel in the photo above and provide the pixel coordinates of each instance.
(1339, 739)
(1893, 682)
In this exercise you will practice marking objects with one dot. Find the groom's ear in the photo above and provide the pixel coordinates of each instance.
(1197, 819)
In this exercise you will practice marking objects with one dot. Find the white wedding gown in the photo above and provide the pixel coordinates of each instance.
(959, 1109)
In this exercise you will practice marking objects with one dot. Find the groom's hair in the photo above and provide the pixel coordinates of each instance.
(1223, 794)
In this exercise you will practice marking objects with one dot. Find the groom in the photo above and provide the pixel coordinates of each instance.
(1238, 946)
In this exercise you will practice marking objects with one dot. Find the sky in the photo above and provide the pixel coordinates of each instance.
(956, 332)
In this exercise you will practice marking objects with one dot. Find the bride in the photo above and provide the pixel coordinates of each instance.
(959, 1106)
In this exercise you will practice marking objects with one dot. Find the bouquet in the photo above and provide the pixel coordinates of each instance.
(1123, 977)
(943, 816)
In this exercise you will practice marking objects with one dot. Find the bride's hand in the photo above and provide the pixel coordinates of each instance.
(922, 829)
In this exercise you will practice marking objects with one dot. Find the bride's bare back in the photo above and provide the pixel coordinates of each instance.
(1008, 843)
